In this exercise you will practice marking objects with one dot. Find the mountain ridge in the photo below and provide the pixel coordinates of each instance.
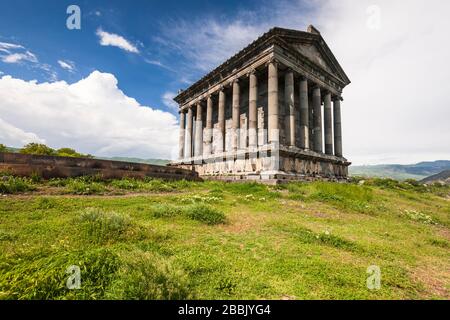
(416, 171)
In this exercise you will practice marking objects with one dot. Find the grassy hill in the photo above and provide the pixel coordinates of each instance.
(441, 177)
(417, 171)
(180, 240)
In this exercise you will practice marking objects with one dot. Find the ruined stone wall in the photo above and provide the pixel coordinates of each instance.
(64, 167)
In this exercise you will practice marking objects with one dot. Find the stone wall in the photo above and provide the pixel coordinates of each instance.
(64, 167)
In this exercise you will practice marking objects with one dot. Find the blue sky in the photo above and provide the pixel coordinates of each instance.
(40, 26)
(107, 89)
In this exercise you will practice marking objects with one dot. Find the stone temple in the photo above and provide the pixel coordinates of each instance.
(271, 112)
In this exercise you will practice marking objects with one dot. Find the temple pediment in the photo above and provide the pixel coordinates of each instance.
(312, 53)
(313, 47)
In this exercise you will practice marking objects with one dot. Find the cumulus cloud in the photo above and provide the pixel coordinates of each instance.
(396, 109)
(68, 65)
(13, 136)
(114, 40)
(92, 115)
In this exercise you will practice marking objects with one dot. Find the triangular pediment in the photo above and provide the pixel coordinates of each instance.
(312, 46)
(313, 54)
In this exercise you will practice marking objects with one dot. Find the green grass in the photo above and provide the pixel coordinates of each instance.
(154, 239)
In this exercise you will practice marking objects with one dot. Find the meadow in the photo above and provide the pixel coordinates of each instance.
(156, 239)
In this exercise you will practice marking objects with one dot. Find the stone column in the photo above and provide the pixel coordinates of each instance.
(208, 133)
(253, 103)
(236, 113)
(304, 115)
(290, 107)
(317, 105)
(273, 121)
(182, 140)
(198, 131)
(328, 123)
(221, 119)
(337, 127)
(189, 133)
(311, 121)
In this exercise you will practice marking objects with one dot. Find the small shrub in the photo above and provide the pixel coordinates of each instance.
(325, 238)
(11, 185)
(7, 236)
(44, 278)
(45, 203)
(204, 213)
(419, 216)
(101, 226)
(197, 211)
(127, 184)
(36, 177)
(226, 285)
(165, 210)
(440, 243)
(146, 277)
(157, 185)
(83, 187)
(57, 182)
(201, 198)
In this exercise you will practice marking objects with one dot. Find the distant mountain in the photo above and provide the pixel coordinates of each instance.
(417, 171)
(160, 162)
(443, 177)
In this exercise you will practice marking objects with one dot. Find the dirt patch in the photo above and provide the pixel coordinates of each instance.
(435, 277)
(239, 223)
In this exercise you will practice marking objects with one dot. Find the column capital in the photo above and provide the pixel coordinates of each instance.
(235, 80)
(336, 98)
(303, 78)
(273, 60)
(252, 71)
(289, 70)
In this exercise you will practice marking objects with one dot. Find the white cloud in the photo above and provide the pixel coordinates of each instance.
(6, 47)
(13, 136)
(68, 65)
(15, 53)
(396, 108)
(111, 39)
(207, 43)
(92, 115)
(12, 53)
(168, 101)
